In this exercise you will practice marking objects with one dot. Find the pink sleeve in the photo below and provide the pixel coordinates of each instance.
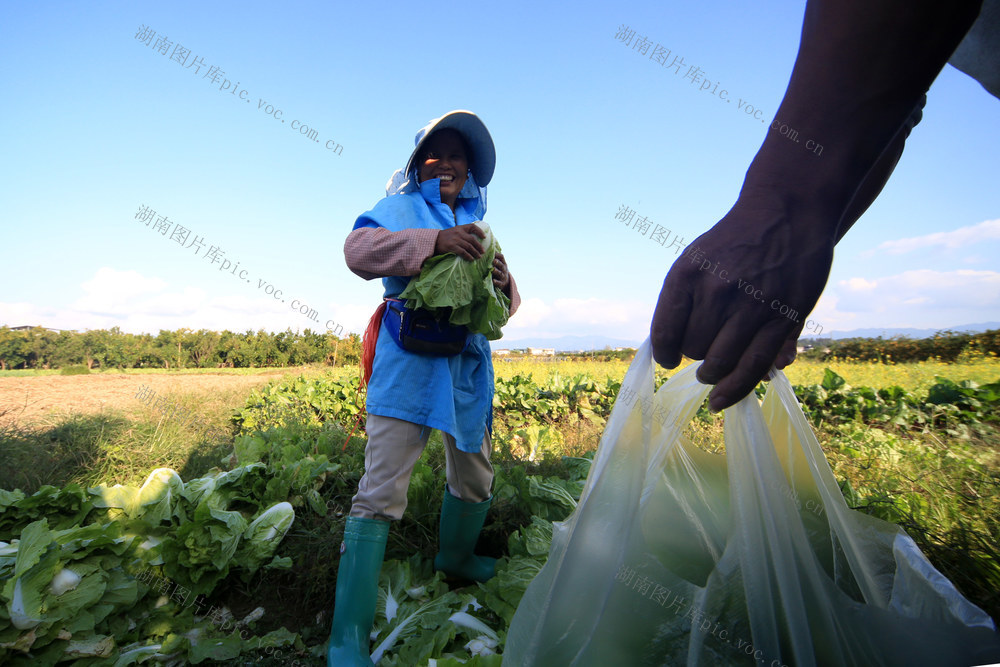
(375, 252)
(515, 296)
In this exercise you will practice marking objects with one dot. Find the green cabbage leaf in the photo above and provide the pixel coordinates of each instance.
(463, 290)
(262, 536)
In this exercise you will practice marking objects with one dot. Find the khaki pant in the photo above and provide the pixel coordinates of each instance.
(393, 448)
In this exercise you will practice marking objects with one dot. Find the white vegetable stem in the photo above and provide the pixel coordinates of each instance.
(65, 580)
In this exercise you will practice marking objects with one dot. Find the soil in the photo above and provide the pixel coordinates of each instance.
(29, 401)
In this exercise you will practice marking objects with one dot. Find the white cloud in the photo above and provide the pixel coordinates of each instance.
(957, 238)
(530, 314)
(860, 284)
(827, 316)
(137, 303)
(112, 291)
(581, 317)
(963, 288)
(352, 317)
(921, 298)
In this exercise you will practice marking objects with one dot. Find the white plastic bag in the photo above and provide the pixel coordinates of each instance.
(675, 556)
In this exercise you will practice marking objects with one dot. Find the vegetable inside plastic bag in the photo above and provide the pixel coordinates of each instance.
(675, 556)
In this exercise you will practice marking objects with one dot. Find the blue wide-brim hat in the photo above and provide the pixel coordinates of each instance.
(468, 124)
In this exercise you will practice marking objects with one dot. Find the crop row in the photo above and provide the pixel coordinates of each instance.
(956, 408)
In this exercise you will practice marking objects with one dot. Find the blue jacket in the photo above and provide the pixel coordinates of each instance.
(452, 394)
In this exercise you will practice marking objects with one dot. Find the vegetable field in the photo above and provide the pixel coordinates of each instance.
(129, 537)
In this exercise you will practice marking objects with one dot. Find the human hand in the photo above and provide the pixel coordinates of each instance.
(461, 240)
(738, 298)
(501, 275)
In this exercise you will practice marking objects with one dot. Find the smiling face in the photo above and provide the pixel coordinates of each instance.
(443, 156)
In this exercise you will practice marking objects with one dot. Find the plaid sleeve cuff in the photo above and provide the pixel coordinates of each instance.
(375, 252)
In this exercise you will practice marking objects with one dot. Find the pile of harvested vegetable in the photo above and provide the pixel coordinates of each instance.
(177, 572)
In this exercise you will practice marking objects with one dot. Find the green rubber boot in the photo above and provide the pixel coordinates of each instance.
(460, 526)
(357, 592)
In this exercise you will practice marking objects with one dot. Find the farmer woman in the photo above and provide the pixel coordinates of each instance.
(428, 210)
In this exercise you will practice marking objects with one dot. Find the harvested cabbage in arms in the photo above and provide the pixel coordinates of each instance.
(448, 281)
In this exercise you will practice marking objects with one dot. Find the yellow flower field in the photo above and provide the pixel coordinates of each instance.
(911, 376)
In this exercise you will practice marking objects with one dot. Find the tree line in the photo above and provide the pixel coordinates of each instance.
(40, 348)
(942, 346)
(43, 348)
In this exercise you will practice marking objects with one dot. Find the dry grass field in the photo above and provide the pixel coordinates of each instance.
(39, 400)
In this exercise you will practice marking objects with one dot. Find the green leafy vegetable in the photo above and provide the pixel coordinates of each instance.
(261, 538)
(65, 580)
(157, 498)
(198, 557)
(465, 287)
(418, 618)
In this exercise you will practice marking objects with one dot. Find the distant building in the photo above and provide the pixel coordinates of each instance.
(29, 328)
(501, 353)
(541, 351)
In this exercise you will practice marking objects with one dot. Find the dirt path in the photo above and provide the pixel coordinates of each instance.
(30, 400)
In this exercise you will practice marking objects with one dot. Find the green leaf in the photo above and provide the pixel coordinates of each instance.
(262, 536)
(477, 661)
(92, 647)
(216, 648)
(156, 500)
(117, 497)
(832, 381)
(34, 540)
(463, 289)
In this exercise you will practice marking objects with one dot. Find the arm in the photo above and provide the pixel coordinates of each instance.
(862, 68)
(502, 280)
(515, 296)
(375, 252)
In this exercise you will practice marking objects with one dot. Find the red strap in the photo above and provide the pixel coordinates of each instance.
(368, 345)
(367, 361)
(344, 448)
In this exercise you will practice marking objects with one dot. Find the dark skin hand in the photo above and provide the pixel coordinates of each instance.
(501, 276)
(862, 69)
(752, 243)
(463, 241)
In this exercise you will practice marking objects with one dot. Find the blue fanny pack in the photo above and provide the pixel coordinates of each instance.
(419, 331)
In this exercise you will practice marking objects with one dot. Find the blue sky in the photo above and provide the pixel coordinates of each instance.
(97, 124)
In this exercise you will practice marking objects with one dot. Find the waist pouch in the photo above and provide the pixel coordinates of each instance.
(419, 331)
